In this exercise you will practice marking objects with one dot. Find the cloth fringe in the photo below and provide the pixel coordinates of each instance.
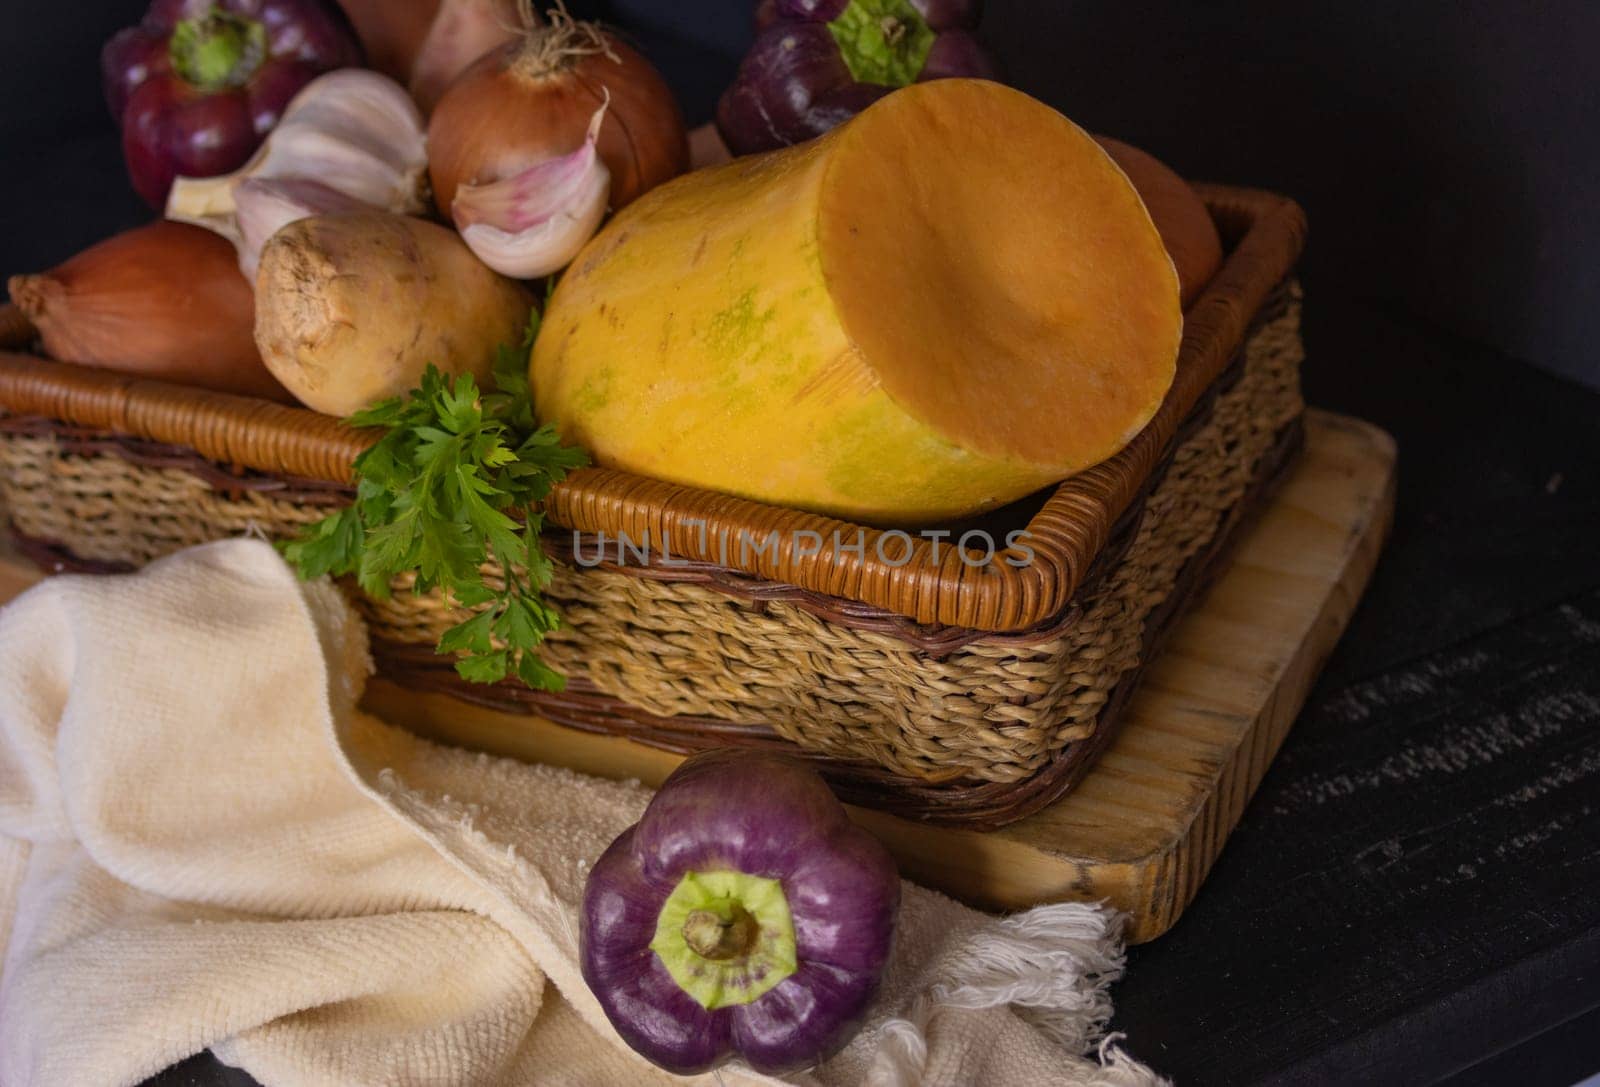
(1054, 966)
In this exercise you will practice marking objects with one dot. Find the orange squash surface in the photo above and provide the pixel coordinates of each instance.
(944, 304)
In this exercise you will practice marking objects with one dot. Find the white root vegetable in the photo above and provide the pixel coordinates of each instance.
(352, 308)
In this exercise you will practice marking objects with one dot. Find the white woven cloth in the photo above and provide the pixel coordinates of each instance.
(203, 844)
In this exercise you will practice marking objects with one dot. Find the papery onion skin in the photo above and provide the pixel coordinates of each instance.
(425, 44)
(392, 33)
(761, 815)
(496, 121)
(463, 31)
(164, 301)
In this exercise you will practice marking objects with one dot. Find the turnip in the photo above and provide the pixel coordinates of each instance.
(352, 308)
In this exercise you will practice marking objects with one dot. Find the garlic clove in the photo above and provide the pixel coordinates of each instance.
(204, 201)
(534, 222)
(536, 252)
(267, 205)
(208, 201)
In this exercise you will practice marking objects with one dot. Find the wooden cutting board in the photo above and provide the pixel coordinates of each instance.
(1145, 825)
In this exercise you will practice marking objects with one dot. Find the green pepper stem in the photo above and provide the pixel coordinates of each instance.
(885, 42)
(720, 934)
(218, 50)
(726, 937)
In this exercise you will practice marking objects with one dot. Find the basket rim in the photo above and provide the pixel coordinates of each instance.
(929, 582)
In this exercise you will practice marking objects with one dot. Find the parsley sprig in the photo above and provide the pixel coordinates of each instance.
(436, 498)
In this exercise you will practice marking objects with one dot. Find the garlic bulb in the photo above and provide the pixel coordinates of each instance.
(351, 131)
(533, 223)
(265, 205)
(355, 131)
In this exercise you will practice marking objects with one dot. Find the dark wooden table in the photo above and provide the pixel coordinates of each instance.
(1415, 889)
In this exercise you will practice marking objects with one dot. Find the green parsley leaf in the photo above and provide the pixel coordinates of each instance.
(472, 636)
(488, 668)
(451, 488)
(330, 546)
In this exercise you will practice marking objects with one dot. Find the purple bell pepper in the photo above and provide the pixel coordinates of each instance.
(198, 84)
(815, 63)
(743, 915)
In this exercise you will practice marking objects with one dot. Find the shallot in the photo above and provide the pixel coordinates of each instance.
(163, 300)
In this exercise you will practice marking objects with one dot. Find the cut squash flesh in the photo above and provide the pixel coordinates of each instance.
(948, 302)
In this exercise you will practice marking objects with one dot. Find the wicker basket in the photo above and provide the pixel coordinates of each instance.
(924, 683)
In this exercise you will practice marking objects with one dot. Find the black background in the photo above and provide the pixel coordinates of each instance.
(1414, 894)
(1447, 152)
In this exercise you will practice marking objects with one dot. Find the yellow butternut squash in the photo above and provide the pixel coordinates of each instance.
(944, 304)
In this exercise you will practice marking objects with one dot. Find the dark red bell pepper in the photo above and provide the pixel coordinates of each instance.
(198, 84)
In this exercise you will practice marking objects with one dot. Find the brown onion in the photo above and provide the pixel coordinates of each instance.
(1180, 215)
(532, 100)
(425, 44)
(463, 31)
(392, 34)
(165, 300)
